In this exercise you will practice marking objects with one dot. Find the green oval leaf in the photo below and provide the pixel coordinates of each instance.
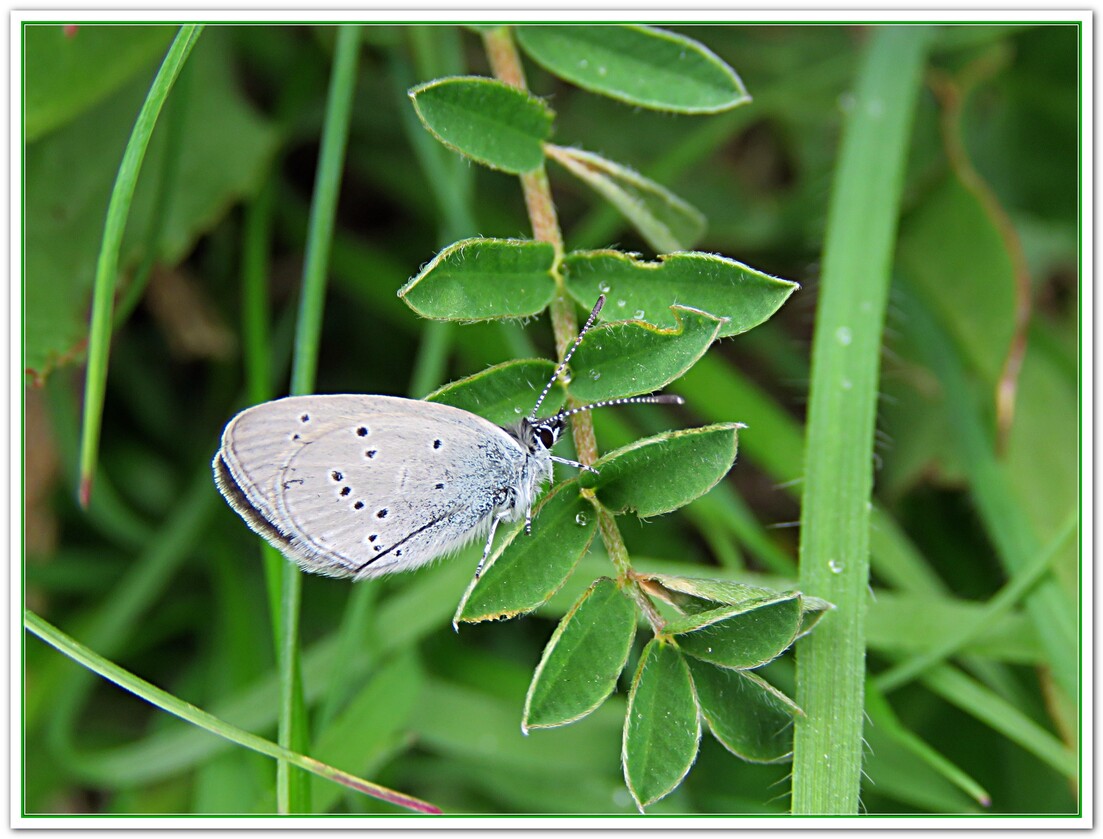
(484, 279)
(583, 659)
(663, 219)
(714, 284)
(528, 569)
(750, 717)
(630, 357)
(742, 636)
(505, 392)
(662, 473)
(487, 120)
(662, 728)
(640, 65)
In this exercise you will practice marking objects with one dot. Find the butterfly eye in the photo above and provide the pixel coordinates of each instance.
(546, 437)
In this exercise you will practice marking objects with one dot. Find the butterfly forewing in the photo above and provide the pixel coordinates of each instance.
(365, 485)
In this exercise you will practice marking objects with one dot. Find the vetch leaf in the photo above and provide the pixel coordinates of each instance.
(714, 284)
(484, 279)
(580, 665)
(662, 473)
(662, 728)
(667, 222)
(750, 717)
(742, 636)
(640, 65)
(626, 358)
(693, 595)
(505, 392)
(487, 120)
(528, 569)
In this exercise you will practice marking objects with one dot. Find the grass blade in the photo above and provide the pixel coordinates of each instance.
(185, 711)
(107, 266)
(838, 473)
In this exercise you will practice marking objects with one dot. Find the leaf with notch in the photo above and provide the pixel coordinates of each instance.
(626, 358)
(714, 284)
(484, 279)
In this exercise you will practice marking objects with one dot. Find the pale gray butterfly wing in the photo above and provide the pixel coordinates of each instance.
(351, 485)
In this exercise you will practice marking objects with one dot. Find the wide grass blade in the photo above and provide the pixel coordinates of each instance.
(838, 476)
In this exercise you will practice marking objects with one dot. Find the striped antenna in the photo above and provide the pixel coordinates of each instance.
(656, 399)
(563, 364)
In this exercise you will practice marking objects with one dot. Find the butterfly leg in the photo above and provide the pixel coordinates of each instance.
(489, 542)
(573, 463)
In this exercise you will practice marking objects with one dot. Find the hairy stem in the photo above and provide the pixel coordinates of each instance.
(505, 63)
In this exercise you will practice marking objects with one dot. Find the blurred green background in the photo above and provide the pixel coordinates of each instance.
(160, 576)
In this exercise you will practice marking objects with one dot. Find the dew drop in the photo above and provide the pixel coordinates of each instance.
(517, 409)
(581, 519)
(566, 376)
(639, 313)
(595, 375)
(622, 303)
(835, 566)
(604, 288)
(843, 336)
(846, 384)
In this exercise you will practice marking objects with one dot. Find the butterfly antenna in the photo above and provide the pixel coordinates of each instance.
(563, 364)
(655, 399)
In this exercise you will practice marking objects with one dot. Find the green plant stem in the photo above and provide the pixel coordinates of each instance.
(838, 476)
(293, 788)
(506, 64)
(255, 332)
(107, 265)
